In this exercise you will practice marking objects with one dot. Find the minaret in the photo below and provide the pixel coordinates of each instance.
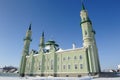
(89, 41)
(86, 26)
(42, 45)
(25, 52)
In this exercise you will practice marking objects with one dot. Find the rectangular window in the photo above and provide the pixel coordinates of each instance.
(67, 75)
(75, 57)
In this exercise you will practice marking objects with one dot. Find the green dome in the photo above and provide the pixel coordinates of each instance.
(51, 42)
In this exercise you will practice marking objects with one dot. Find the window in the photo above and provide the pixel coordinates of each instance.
(75, 57)
(83, 19)
(79, 75)
(58, 66)
(85, 32)
(64, 58)
(68, 66)
(29, 66)
(63, 66)
(67, 75)
(68, 58)
(81, 66)
(40, 64)
(80, 57)
(51, 64)
(76, 66)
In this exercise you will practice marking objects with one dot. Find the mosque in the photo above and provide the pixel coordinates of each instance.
(49, 60)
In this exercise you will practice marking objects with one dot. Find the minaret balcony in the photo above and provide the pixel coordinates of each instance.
(86, 21)
(27, 38)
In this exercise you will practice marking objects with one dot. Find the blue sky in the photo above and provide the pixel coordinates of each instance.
(60, 21)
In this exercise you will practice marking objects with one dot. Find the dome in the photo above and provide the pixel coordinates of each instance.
(51, 42)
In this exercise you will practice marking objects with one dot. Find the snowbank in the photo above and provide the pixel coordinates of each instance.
(56, 78)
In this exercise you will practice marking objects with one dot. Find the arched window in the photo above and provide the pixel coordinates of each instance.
(76, 66)
(63, 66)
(69, 66)
(85, 32)
(68, 58)
(83, 19)
(81, 66)
(80, 57)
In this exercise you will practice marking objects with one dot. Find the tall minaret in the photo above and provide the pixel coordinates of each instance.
(89, 41)
(25, 52)
(86, 26)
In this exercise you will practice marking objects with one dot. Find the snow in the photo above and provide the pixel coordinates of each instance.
(116, 78)
(119, 66)
(56, 78)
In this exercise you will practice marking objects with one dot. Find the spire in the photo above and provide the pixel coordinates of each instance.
(30, 26)
(83, 7)
(42, 34)
(42, 40)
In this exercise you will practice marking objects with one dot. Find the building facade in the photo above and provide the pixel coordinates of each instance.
(52, 61)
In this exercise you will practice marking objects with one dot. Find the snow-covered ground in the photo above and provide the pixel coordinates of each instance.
(56, 78)
(116, 78)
